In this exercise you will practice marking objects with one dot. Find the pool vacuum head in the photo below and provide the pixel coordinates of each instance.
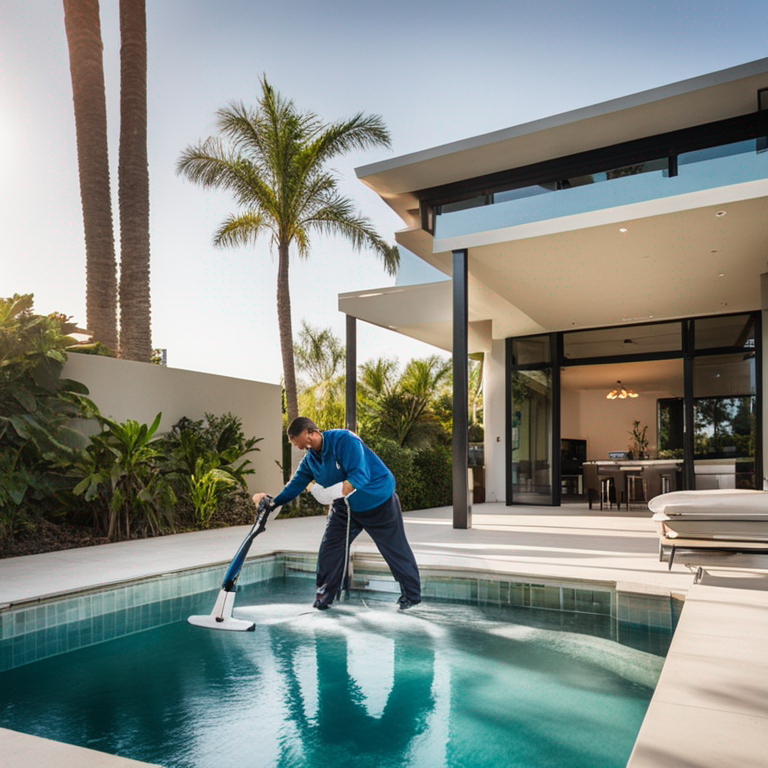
(221, 615)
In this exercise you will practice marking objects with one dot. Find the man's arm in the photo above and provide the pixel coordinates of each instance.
(296, 484)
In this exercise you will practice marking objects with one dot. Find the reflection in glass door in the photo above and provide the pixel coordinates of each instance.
(725, 423)
(532, 428)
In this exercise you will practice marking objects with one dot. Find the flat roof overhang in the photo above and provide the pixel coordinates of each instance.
(424, 312)
(716, 96)
(676, 259)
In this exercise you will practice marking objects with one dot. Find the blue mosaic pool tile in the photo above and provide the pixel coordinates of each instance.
(36, 632)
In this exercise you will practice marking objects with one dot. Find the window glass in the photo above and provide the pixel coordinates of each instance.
(730, 331)
(531, 350)
(531, 408)
(724, 421)
(462, 205)
(626, 340)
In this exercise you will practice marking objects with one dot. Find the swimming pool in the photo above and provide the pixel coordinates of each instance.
(446, 684)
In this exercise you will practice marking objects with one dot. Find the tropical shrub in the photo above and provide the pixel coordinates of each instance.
(37, 447)
(404, 408)
(205, 461)
(433, 473)
(206, 487)
(124, 480)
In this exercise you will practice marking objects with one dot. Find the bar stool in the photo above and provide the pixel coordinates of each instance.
(637, 488)
(607, 491)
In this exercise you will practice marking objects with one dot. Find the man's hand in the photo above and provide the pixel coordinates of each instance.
(257, 497)
(347, 488)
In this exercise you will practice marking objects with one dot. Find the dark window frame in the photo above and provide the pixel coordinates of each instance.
(668, 145)
(687, 354)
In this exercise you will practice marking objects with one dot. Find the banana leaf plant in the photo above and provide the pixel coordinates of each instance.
(124, 479)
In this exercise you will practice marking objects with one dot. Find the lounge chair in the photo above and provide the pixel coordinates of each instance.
(722, 527)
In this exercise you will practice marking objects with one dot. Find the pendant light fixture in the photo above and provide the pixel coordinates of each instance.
(620, 392)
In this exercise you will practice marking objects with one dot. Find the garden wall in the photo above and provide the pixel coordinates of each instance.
(123, 389)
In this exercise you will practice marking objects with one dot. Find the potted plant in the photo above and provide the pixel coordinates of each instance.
(639, 445)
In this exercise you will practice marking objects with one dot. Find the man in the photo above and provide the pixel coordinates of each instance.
(338, 457)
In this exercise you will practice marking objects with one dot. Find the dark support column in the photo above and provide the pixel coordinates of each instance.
(689, 476)
(350, 418)
(462, 508)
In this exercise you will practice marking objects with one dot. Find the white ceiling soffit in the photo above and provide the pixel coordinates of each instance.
(425, 312)
(715, 96)
(676, 265)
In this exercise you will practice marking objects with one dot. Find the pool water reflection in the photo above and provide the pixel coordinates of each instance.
(442, 685)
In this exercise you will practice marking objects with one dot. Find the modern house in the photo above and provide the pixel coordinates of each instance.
(623, 242)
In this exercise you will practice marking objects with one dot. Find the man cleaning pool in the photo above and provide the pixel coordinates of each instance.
(357, 483)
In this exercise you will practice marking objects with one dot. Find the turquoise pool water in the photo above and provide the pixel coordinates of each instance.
(362, 684)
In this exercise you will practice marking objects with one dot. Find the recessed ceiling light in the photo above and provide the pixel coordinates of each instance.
(623, 229)
(721, 274)
(720, 214)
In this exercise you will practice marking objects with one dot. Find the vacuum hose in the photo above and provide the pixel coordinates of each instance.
(346, 551)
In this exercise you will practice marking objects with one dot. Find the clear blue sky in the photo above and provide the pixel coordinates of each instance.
(436, 71)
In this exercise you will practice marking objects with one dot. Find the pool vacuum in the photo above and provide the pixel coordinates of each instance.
(221, 615)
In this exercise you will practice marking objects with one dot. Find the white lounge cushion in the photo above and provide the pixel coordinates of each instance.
(715, 502)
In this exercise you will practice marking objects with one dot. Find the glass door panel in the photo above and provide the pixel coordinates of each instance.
(531, 437)
(725, 424)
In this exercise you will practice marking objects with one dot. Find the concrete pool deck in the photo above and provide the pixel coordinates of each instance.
(710, 707)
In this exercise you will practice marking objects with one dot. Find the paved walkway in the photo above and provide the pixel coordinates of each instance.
(709, 709)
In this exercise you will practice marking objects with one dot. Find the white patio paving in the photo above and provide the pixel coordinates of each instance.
(710, 707)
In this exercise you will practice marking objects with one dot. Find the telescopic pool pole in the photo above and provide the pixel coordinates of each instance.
(221, 615)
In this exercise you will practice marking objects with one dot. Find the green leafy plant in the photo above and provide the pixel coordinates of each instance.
(205, 462)
(37, 445)
(124, 480)
(205, 489)
(433, 471)
(639, 444)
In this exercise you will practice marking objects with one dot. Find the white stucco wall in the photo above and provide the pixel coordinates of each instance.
(494, 413)
(123, 389)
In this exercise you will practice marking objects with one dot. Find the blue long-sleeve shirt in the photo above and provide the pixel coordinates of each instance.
(343, 456)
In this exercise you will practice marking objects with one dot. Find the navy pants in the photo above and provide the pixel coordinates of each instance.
(384, 524)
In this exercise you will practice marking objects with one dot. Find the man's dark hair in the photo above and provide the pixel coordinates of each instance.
(297, 426)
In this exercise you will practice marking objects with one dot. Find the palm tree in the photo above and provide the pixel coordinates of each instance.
(320, 356)
(133, 185)
(272, 159)
(319, 353)
(83, 27)
(403, 409)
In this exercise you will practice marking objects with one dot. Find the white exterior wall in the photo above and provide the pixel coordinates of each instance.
(123, 389)
(495, 427)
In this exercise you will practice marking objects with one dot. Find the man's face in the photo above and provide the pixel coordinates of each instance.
(302, 441)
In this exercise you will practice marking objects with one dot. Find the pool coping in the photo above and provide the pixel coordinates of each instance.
(709, 706)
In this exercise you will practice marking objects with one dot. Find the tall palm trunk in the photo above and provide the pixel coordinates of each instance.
(133, 185)
(286, 332)
(83, 26)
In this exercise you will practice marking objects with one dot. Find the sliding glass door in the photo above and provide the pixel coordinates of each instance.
(697, 404)
(534, 408)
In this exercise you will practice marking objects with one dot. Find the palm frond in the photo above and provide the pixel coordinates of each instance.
(240, 230)
(360, 132)
(338, 217)
(208, 163)
(244, 130)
